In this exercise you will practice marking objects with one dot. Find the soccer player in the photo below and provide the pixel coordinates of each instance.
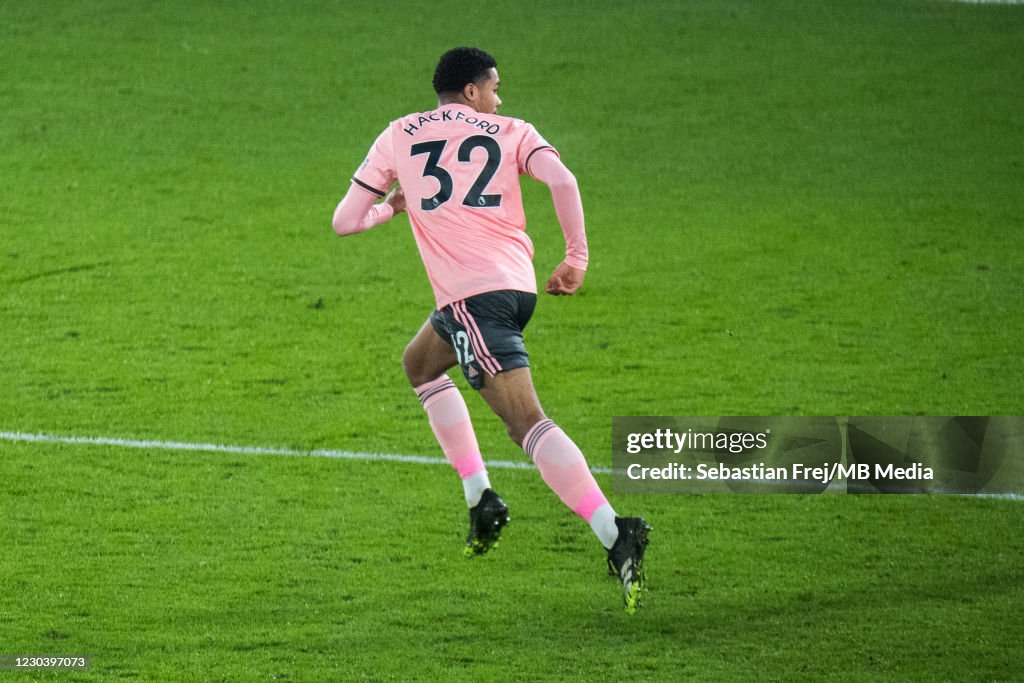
(458, 167)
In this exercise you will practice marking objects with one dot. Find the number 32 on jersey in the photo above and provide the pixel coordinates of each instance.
(475, 197)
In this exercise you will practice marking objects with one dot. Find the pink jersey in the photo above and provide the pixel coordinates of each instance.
(460, 172)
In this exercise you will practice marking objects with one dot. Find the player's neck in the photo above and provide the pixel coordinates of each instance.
(457, 99)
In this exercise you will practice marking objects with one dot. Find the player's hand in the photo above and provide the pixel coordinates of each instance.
(396, 198)
(565, 280)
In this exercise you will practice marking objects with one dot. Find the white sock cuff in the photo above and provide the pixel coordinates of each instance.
(474, 486)
(603, 524)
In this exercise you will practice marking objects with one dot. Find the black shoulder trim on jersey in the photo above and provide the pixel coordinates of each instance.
(363, 185)
(527, 164)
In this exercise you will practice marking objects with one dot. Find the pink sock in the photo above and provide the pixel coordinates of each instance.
(563, 468)
(449, 419)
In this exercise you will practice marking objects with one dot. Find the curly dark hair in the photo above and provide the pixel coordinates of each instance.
(459, 67)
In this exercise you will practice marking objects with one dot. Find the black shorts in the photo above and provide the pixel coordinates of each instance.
(486, 332)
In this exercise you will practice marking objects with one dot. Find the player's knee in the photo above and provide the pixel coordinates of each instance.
(413, 369)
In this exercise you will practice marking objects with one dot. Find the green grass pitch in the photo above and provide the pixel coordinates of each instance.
(792, 208)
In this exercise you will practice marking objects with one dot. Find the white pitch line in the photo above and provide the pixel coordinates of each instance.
(253, 450)
(317, 452)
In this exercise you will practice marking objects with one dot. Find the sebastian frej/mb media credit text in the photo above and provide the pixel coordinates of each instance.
(815, 454)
